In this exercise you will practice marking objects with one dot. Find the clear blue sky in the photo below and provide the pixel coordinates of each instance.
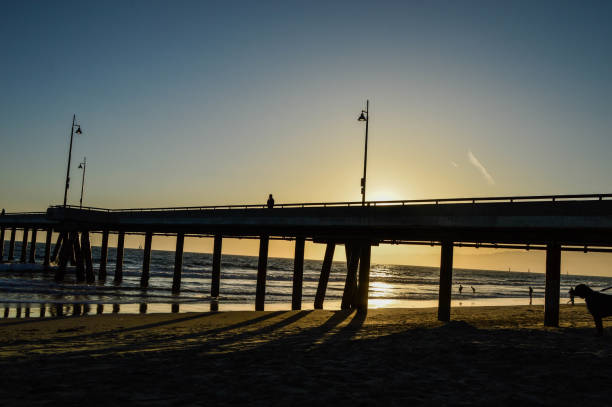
(188, 103)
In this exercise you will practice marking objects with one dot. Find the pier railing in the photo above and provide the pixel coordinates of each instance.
(473, 200)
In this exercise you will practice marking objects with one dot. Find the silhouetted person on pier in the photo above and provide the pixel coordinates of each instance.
(460, 289)
(270, 202)
(530, 295)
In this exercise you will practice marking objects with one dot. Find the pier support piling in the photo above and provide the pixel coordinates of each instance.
(57, 247)
(47, 259)
(216, 268)
(553, 284)
(298, 274)
(262, 268)
(24, 246)
(324, 278)
(78, 255)
(178, 263)
(119, 262)
(2, 229)
(363, 289)
(146, 260)
(86, 251)
(103, 256)
(32, 258)
(446, 281)
(350, 285)
(64, 256)
(11, 252)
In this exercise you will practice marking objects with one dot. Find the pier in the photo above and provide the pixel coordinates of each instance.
(551, 223)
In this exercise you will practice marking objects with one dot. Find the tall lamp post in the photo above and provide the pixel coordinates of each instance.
(72, 131)
(82, 166)
(364, 117)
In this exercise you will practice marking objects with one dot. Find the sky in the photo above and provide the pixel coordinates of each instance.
(202, 102)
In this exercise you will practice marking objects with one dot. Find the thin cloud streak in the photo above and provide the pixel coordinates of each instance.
(474, 161)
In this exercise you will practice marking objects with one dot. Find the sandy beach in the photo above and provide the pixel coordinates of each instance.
(486, 355)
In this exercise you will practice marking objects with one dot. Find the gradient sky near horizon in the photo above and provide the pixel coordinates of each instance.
(202, 102)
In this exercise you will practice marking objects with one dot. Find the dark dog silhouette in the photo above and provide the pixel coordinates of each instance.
(598, 304)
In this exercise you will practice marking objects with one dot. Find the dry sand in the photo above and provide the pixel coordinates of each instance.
(485, 356)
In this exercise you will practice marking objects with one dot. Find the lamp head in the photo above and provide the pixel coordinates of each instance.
(362, 117)
(81, 166)
(78, 130)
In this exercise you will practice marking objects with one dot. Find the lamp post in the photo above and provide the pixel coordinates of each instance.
(364, 117)
(72, 131)
(82, 166)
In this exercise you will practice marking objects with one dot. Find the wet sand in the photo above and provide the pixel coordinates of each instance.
(486, 355)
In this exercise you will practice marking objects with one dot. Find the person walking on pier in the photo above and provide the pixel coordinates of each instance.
(270, 202)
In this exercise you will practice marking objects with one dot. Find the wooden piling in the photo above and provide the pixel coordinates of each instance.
(350, 285)
(32, 258)
(178, 263)
(216, 267)
(324, 277)
(47, 259)
(298, 274)
(2, 229)
(262, 268)
(364, 277)
(119, 262)
(80, 260)
(446, 281)
(86, 251)
(103, 256)
(553, 284)
(24, 245)
(146, 260)
(11, 252)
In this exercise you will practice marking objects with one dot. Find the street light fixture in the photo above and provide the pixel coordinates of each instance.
(75, 128)
(364, 117)
(82, 166)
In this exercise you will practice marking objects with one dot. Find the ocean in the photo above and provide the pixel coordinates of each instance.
(31, 289)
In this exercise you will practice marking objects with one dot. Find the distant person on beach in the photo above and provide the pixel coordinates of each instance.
(473, 289)
(460, 289)
(571, 295)
(530, 295)
(270, 202)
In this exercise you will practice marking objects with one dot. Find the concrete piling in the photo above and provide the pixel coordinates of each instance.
(216, 267)
(24, 245)
(103, 256)
(262, 268)
(446, 281)
(363, 289)
(146, 260)
(2, 229)
(553, 284)
(324, 277)
(11, 252)
(350, 284)
(86, 252)
(298, 274)
(32, 258)
(47, 259)
(119, 262)
(178, 263)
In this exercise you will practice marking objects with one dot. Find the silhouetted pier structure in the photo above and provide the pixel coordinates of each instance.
(552, 223)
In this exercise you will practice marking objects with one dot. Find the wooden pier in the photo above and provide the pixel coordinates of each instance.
(551, 223)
